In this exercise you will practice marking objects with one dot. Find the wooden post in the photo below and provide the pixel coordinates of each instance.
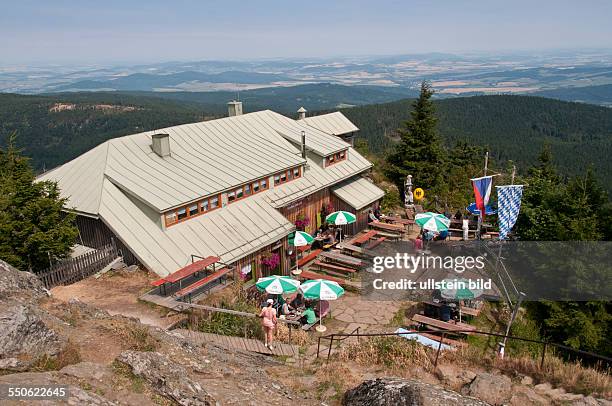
(543, 355)
(486, 163)
(513, 174)
(318, 346)
(439, 347)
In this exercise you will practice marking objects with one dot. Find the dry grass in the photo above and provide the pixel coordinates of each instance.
(333, 380)
(69, 355)
(391, 352)
(298, 336)
(137, 338)
(571, 376)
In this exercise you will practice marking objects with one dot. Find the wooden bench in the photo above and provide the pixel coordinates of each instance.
(316, 275)
(444, 340)
(442, 325)
(221, 273)
(375, 243)
(344, 260)
(350, 248)
(335, 268)
(394, 236)
(394, 228)
(364, 237)
(470, 311)
(311, 256)
(307, 327)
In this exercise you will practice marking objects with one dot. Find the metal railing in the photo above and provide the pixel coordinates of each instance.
(545, 344)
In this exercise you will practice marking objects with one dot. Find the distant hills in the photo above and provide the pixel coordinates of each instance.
(513, 127)
(601, 94)
(150, 82)
(53, 129)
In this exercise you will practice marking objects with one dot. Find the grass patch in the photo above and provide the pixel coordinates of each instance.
(137, 337)
(389, 351)
(137, 384)
(69, 355)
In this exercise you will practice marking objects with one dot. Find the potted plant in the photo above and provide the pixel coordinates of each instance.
(271, 261)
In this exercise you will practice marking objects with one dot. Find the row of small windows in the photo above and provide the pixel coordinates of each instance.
(337, 157)
(203, 206)
(192, 210)
(288, 175)
(247, 190)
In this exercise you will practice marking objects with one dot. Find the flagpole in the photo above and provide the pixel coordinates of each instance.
(479, 226)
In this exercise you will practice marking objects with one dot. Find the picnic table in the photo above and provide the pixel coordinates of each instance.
(363, 237)
(348, 247)
(186, 272)
(470, 311)
(394, 228)
(442, 325)
(347, 260)
(397, 220)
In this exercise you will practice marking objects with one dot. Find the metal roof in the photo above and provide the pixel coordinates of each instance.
(231, 233)
(358, 192)
(333, 123)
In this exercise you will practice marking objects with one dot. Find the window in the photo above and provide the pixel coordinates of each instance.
(170, 218)
(287, 175)
(192, 210)
(231, 196)
(255, 187)
(247, 189)
(335, 158)
(239, 193)
(264, 184)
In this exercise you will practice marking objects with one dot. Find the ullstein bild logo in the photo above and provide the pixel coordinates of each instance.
(412, 263)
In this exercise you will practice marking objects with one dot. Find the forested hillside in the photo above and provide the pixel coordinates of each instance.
(513, 127)
(53, 130)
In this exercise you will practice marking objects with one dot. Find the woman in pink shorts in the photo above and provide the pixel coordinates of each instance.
(268, 321)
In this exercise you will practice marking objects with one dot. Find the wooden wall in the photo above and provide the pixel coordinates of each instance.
(94, 233)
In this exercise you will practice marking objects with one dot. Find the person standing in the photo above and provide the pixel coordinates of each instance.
(466, 228)
(268, 322)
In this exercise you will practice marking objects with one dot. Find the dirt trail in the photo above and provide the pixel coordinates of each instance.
(117, 293)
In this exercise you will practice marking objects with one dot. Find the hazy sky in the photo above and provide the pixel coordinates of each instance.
(153, 31)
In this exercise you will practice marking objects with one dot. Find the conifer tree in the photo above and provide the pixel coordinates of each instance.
(33, 229)
(420, 151)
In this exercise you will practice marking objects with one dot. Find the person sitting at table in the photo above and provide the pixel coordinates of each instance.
(298, 301)
(377, 213)
(442, 235)
(309, 316)
(445, 312)
(372, 217)
(287, 309)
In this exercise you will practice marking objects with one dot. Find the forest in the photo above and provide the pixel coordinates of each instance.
(510, 127)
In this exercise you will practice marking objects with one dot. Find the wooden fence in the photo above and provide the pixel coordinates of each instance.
(75, 269)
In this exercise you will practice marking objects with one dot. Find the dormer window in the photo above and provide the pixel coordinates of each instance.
(194, 209)
(288, 175)
(335, 158)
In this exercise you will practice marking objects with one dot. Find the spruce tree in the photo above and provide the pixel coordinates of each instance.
(420, 151)
(34, 230)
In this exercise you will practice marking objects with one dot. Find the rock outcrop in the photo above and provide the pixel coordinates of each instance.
(166, 377)
(397, 391)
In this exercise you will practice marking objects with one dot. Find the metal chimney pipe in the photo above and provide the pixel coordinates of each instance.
(304, 144)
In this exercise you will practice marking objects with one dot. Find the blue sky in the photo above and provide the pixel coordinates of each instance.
(153, 31)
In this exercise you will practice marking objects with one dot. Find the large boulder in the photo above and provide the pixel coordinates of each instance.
(22, 332)
(22, 286)
(166, 377)
(492, 388)
(397, 391)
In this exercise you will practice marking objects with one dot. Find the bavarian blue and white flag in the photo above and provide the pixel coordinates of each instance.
(508, 207)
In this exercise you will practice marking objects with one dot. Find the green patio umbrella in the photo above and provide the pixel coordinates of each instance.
(300, 239)
(340, 218)
(432, 222)
(277, 285)
(459, 293)
(321, 289)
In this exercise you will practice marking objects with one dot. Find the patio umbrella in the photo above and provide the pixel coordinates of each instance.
(459, 293)
(340, 218)
(474, 210)
(432, 222)
(321, 289)
(300, 239)
(277, 285)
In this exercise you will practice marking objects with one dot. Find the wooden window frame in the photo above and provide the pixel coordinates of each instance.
(289, 175)
(251, 186)
(335, 158)
(186, 208)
